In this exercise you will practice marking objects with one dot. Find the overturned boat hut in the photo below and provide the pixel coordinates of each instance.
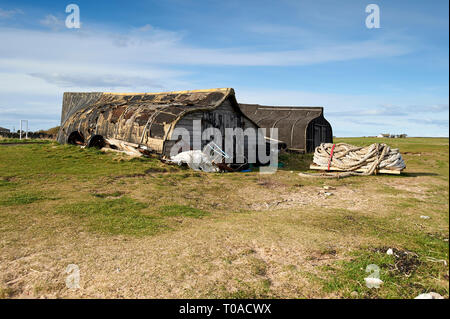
(301, 128)
(147, 119)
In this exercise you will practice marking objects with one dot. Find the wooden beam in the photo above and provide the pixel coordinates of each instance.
(381, 171)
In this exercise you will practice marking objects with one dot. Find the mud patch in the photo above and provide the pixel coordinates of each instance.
(328, 253)
(268, 183)
(139, 175)
(7, 178)
(108, 195)
(157, 170)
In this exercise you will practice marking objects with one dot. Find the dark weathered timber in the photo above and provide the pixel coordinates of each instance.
(301, 128)
(147, 118)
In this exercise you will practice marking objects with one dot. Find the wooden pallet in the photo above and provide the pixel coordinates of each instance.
(381, 171)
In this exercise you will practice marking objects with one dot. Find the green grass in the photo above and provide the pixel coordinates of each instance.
(21, 198)
(294, 161)
(54, 161)
(254, 290)
(258, 266)
(23, 141)
(410, 144)
(50, 189)
(181, 210)
(389, 190)
(111, 194)
(347, 277)
(122, 216)
(7, 184)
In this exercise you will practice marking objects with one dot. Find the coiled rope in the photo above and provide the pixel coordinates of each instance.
(350, 159)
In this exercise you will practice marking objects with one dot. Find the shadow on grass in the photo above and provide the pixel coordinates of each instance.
(418, 174)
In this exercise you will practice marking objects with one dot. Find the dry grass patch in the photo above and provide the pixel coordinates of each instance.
(141, 229)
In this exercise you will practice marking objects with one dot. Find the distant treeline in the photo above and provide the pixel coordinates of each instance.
(48, 134)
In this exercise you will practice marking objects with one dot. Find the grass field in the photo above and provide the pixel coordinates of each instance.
(141, 229)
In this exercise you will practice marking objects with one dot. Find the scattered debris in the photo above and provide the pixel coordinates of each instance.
(326, 194)
(269, 183)
(425, 217)
(405, 262)
(390, 251)
(329, 187)
(434, 260)
(430, 295)
(131, 149)
(211, 159)
(354, 294)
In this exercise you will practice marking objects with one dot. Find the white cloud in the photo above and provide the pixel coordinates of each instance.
(167, 47)
(5, 14)
(52, 22)
(39, 65)
(429, 121)
(99, 81)
(266, 29)
(363, 115)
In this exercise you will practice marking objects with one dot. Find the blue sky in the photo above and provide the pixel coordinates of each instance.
(393, 79)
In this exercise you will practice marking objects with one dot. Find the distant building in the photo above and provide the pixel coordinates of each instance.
(392, 135)
(4, 130)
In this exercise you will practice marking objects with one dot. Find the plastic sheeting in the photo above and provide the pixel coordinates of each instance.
(196, 160)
